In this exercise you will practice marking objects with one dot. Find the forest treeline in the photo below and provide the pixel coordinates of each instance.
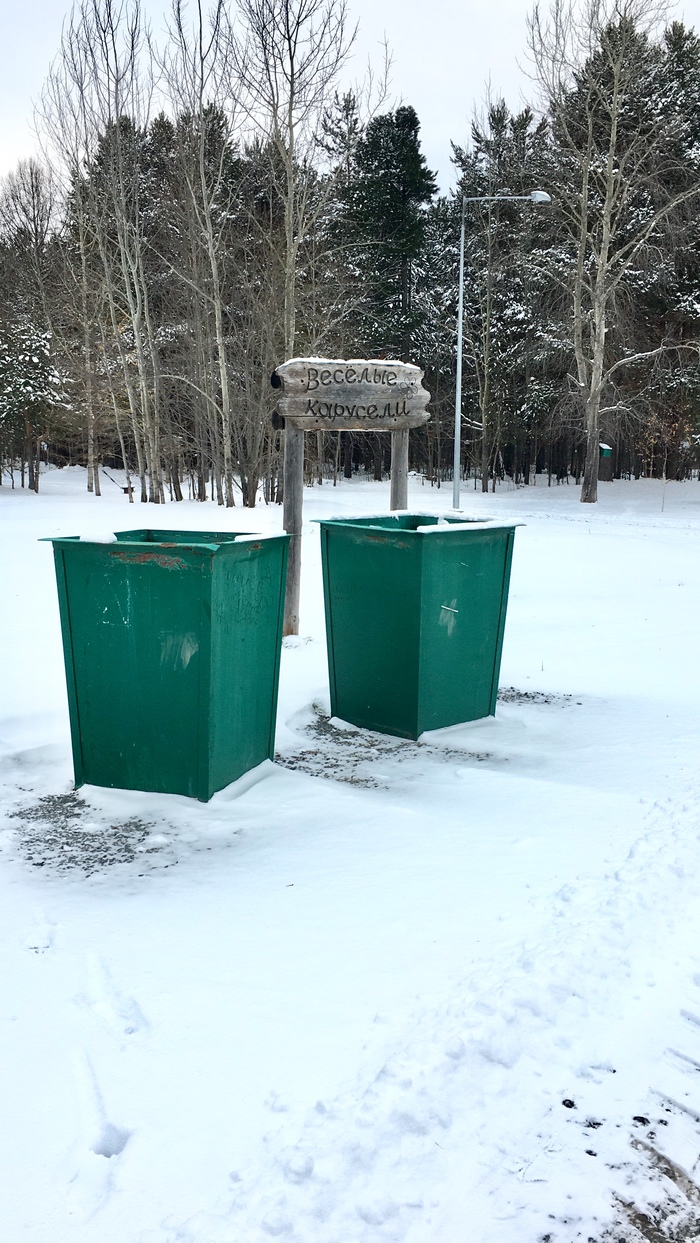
(214, 204)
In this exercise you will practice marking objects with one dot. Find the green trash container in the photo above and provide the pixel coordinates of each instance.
(415, 613)
(605, 463)
(171, 642)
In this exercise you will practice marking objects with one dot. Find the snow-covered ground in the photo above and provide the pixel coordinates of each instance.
(444, 992)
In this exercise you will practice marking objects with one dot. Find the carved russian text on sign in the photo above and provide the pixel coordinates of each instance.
(356, 395)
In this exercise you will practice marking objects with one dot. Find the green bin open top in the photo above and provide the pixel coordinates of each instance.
(415, 615)
(171, 643)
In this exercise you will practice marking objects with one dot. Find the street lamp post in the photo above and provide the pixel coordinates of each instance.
(535, 196)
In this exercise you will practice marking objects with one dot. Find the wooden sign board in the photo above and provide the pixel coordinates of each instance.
(326, 394)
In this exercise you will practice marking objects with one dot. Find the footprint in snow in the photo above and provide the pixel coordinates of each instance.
(277, 1103)
(99, 1143)
(376, 1212)
(455, 1048)
(298, 1167)
(276, 1223)
(41, 938)
(119, 1012)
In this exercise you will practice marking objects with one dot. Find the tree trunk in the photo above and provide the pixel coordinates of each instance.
(589, 487)
(378, 458)
(319, 458)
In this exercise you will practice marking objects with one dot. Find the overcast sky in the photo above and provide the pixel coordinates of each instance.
(445, 53)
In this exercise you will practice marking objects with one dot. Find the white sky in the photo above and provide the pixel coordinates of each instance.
(445, 52)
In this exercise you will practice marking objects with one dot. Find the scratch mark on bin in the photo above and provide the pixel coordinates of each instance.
(125, 616)
(178, 649)
(448, 617)
(140, 558)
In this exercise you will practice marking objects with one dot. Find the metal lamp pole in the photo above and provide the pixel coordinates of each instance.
(535, 196)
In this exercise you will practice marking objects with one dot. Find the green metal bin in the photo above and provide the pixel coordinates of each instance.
(171, 642)
(415, 614)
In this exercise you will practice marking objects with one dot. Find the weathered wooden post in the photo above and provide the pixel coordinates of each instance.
(332, 394)
(292, 502)
(398, 497)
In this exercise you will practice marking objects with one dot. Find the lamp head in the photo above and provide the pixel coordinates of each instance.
(539, 196)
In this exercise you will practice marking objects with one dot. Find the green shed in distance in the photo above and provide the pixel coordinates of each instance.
(415, 614)
(171, 642)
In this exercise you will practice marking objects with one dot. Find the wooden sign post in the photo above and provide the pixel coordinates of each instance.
(332, 394)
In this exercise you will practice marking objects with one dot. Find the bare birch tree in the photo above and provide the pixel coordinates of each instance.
(287, 60)
(195, 67)
(28, 217)
(95, 110)
(597, 66)
(66, 135)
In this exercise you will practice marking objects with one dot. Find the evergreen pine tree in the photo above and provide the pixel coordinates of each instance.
(383, 221)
